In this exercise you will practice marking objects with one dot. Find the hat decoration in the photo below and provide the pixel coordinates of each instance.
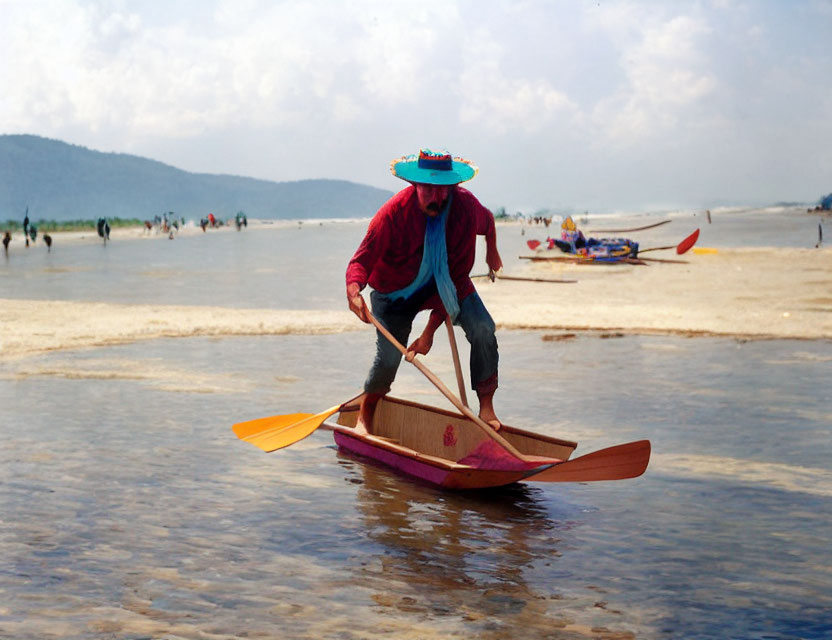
(432, 167)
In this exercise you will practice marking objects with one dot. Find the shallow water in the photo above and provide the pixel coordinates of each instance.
(277, 267)
(131, 510)
(128, 509)
(302, 267)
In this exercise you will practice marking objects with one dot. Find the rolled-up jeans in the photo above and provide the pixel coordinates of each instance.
(397, 317)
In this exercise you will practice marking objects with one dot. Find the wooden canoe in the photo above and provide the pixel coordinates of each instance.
(446, 449)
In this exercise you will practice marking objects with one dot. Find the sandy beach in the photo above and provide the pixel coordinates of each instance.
(743, 293)
(746, 293)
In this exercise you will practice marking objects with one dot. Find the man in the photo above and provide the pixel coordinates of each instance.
(417, 254)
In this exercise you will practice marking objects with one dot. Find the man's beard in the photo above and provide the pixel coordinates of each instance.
(436, 207)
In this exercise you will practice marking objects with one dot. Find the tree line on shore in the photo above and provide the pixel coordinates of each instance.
(72, 225)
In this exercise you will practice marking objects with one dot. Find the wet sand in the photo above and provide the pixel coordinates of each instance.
(32, 327)
(744, 293)
(763, 293)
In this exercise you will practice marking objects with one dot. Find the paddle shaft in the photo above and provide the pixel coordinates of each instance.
(667, 260)
(460, 379)
(681, 248)
(649, 226)
(657, 249)
(489, 431)
(521, 279)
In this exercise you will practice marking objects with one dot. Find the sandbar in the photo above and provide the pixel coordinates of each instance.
(754, 293)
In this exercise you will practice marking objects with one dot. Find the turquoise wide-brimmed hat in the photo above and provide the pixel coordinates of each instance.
(433, 167)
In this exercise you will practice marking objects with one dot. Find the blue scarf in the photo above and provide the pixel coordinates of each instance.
(435, 264)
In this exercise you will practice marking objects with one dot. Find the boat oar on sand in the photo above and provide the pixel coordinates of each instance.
(447, 449)
(499, 276)
(683, 247)
(644, 228)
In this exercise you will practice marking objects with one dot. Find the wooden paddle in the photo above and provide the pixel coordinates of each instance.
(520, 279)
(460, 379)
(613, 463)
(276, 432)
(665, 260)
(649, 226)
(683, 247)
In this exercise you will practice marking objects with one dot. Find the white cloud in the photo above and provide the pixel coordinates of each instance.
(242, 86)
(494, 100)
(665, 71)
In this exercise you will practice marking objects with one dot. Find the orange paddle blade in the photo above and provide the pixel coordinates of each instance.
(253, 427)
(687, 243)
(276, 432)
(613, 463)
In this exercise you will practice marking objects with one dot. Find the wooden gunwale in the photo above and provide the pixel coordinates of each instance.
(452, 414)
(385, 443)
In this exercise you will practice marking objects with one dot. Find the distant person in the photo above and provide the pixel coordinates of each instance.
(26, 223)
(48, 240)
(33, 232)
(571, 238)
(417, 254)
(7, 238)
(103, 229)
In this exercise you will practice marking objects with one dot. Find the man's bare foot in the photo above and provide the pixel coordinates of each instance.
(487, 413)
(364, 424)
(494, 424)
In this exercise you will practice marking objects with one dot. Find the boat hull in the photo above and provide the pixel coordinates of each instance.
(446, 476)
(444, 448)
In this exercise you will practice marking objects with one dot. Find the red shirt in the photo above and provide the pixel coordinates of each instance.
(389, 257)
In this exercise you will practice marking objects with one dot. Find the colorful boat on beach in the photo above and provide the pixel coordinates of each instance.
(448, 450)
(602, 251)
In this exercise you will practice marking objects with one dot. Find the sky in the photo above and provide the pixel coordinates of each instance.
(588, 105)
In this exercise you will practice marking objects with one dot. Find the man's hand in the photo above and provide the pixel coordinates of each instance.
(356, 302)
(493, 260)
(420, 345)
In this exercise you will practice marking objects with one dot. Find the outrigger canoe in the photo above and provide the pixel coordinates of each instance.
(605, 251)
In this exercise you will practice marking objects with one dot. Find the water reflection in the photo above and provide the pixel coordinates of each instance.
(471, 555)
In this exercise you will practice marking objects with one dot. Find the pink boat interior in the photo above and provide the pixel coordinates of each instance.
(425, 441)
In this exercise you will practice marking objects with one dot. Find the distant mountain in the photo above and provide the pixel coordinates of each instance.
(60, 181)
